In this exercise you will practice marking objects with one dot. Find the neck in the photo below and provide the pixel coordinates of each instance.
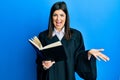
(59, 30)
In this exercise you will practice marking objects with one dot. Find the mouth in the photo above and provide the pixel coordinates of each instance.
(58, 23)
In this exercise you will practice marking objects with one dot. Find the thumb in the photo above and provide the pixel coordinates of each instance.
(53, 62)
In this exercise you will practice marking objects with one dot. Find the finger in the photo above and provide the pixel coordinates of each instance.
(48, 63)
(108, 58)
(43, 64)
(103, 57)
(100, 49)
(97, 58)
(100, 56)
(53, 62)
(44, 68)
(34, 37)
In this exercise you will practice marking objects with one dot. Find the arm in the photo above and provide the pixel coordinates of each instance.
(84, 67)
(43, 64)
(85, 61)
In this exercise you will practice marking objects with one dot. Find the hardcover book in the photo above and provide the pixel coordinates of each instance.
(54, 51)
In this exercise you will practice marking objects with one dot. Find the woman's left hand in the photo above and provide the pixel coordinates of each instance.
(98, 55)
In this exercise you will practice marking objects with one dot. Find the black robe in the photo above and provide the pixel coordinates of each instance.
(77, 60)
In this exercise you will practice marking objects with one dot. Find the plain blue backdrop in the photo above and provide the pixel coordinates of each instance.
(98, 20)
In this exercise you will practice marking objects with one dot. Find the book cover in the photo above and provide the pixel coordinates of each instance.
(54, 51)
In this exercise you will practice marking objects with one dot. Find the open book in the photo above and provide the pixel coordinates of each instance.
(54, 51)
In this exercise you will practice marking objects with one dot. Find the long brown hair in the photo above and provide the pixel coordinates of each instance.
(57, 6)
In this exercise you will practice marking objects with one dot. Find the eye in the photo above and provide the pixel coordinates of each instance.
(54, 14)
(62, 15)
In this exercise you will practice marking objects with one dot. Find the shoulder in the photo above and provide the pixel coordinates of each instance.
(75, 32)
(77, 36)
(43, 34)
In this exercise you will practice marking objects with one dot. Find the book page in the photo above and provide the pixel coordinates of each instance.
(36, 42)
(55, 44)
(37, 46)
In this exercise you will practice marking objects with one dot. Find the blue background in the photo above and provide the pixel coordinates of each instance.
(98, 20)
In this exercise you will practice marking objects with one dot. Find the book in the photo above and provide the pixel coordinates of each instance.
(54, 51)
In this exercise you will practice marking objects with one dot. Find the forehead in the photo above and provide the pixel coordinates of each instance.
(60, 11)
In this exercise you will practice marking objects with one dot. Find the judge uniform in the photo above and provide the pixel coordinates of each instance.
(77, 59)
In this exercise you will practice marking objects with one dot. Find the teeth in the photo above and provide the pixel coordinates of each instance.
(58, 23)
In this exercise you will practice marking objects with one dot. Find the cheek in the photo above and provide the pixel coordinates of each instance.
(64, 20)
(54, 19)
(54, 22)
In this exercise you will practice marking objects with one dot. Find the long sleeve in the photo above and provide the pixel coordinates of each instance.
(41, 73)
(85, 68)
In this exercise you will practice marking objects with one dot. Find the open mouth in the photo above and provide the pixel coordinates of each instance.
(58, 23)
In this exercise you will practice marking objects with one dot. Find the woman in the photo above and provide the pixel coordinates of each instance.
(78, 60)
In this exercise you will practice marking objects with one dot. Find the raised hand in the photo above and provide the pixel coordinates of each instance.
(97, 53)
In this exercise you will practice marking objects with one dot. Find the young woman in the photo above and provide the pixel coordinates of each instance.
(78, 60)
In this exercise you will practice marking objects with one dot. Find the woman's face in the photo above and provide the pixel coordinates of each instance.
(59, 18)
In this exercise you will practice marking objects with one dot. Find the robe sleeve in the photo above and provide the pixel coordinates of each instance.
(41, 73)
(85, 68)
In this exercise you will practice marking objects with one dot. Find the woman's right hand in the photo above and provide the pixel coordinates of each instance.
(47, 64)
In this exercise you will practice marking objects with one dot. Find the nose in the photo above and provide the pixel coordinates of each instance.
(58, 17)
